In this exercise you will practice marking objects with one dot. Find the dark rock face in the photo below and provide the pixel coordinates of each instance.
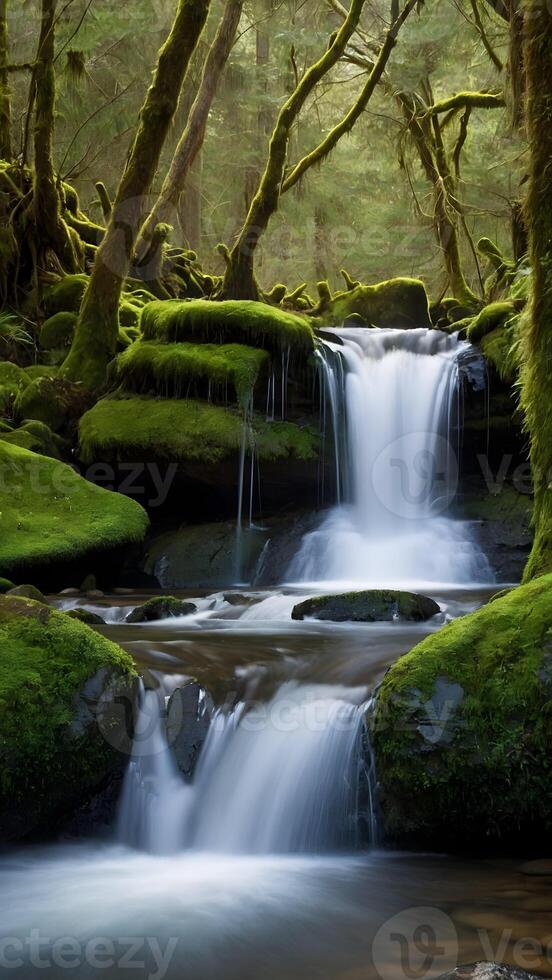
(161, 607)
(189, 715)
(374, 605)
(487, 971)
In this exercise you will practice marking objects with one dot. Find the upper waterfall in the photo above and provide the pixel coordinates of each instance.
(393, 403)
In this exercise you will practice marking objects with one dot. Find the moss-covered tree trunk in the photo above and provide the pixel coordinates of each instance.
(192, 138)
(5, 98)
(95, 340)
(239, 280)
(427, 137)
(537, 371)
(51, 231)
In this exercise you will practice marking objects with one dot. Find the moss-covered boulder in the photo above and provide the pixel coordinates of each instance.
(492, 316)
(171, 370)
(45, 400)
(65, 296)
(161, 607)
(49, 514)
(63, 735)
(369, 606)
(231, 321)
(399, 303)
(36, 437)
(86, 616)
(185, 431)
(57, 331)
(462, 729)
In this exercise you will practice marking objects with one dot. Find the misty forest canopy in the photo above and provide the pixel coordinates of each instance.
(369, 207)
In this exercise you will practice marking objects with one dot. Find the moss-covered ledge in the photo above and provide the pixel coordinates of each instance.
(184, 430)
(462, 729)
(228, 321)
(63, 731)
(50, 514)
(400, 303)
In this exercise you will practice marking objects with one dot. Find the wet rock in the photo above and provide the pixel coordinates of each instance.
(538, 869)
(161, 607)
(487, 971)
(202, 555)
(371, 606)
(88, 584)
(240, 599)
(85, 616)
(189, 714)
(28, 592)
(69, 592)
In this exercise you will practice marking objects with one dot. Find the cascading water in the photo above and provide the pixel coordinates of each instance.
(280, 777)
(399, 394)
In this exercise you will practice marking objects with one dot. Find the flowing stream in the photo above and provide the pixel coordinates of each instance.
(267, 862)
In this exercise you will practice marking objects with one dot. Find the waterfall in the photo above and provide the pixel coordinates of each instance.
(279, 777)
(399, 393)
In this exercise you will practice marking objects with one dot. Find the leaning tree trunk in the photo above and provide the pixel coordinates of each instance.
(537, 370)
(239, 280)
(52, 233)
(5, 98)
(95, 340)
(194, 133)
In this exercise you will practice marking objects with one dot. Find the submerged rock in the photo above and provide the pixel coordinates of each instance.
(66, 697)
(161, 607)
(189, 714)
(462, 729)
(370, 606)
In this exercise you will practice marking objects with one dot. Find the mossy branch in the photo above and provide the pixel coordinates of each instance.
(345, 126)
(464, 100)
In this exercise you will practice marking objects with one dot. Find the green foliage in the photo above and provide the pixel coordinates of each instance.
(231, 321)
(170, 369)
(49, 514)
(488, 773)
(12, 331)
(185, 431)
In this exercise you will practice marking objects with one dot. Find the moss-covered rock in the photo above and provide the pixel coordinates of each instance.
(399, 303)
(85, 616)
(28, 592)
(65, 296)
(462, 728)
(492, 316)
(50, 514)
(5, 585)
(61, 722)
(41, 371)
(370, 606)
(12, 376)
(244, 322)
(57, 331)
(44, 400)
(185, 430)
(170, 369)
(161, 607)
(37, 438)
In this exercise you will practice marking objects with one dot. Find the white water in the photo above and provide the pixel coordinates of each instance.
(280, 777)
(400, 396)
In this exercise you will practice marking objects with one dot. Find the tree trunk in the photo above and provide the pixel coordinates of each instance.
(51, 230)
(5, 97)
(427, 138)
(95, 340)
(537, 371)
(239, 280)
(189, 208)
(192, 138)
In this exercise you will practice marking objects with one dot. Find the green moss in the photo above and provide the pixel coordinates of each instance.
(129, 313)
(184, 431)
(230, 321)
(44, 400)
(65, 296)
(52, 752)
(169, 369)
(48, 513)
(501, 348)
(57, 331)
(12, 376)
(36, 437)
(492, 316)
(6, 585)
(463, 726)
(399, 303)
(41, 371)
